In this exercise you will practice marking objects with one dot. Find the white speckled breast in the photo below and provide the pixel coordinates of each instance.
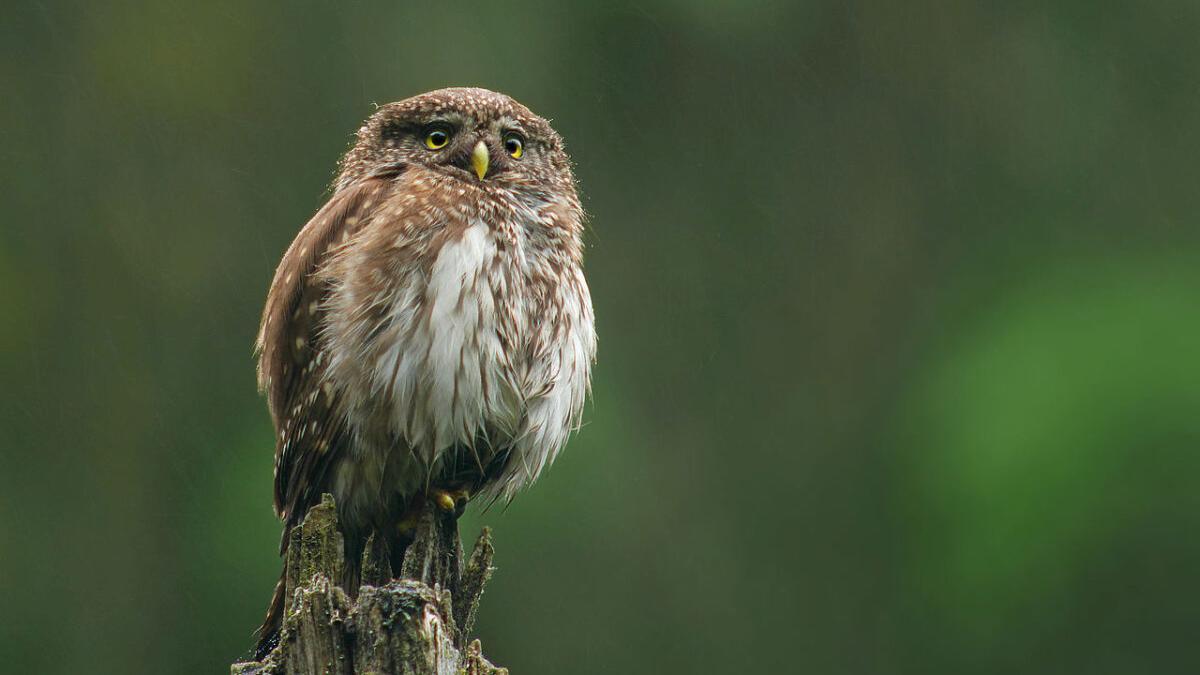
(471, 347)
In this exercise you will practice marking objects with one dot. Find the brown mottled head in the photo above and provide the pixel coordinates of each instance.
(443, 131)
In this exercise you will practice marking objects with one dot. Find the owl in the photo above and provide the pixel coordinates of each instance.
(429, 333)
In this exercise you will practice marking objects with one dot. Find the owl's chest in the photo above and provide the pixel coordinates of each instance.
(479, 311)
(444, 354)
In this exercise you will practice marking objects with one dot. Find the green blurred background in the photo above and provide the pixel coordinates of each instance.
(897, 303)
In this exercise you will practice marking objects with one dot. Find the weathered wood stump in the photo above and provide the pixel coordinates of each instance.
(416, 625)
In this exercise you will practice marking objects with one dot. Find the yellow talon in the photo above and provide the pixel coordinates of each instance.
(444, 501)
(451, 501)
(406, 526)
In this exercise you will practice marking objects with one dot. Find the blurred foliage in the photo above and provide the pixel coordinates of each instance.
(897, 305)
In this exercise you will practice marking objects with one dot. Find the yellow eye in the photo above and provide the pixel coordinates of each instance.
(515, 145)
(436, 139)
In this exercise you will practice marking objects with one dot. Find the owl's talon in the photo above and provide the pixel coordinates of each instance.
(452, 501)
(443, 499)
(406, 526)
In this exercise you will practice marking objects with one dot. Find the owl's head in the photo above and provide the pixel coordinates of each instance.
(473, 135)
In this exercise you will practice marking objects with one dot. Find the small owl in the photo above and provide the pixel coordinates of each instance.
(429, 333)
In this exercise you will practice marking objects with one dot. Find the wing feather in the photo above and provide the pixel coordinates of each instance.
(310, 428)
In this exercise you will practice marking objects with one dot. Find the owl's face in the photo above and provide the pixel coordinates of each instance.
(477, 136)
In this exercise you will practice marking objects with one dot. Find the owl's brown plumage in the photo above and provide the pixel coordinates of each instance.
(431, 325)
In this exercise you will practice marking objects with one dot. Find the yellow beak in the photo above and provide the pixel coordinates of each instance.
(479, 159)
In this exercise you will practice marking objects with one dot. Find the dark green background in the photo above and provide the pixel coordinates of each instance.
(899, 367)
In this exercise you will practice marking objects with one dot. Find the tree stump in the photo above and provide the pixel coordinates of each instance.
(416, 625)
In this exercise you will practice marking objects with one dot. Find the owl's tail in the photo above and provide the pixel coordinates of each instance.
(268, 632)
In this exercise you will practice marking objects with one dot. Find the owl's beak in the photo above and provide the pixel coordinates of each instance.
(479, 159)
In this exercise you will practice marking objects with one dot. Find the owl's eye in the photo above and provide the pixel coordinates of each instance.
(515, 145)
(437, 137)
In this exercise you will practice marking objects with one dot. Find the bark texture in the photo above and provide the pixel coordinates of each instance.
(416, 625)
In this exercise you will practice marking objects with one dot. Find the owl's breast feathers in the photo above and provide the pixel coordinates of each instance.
(414, 317)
